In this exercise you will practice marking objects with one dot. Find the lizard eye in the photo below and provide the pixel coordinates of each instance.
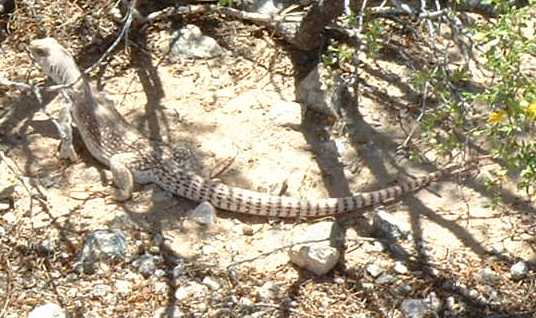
(38, 52)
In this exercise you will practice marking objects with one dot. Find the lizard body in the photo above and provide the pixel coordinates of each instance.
(132, 157)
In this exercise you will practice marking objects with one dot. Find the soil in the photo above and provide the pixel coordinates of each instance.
(224, 109)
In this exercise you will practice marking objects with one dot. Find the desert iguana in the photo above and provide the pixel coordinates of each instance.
(134, 158)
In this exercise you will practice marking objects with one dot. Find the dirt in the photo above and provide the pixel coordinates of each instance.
(223, 108)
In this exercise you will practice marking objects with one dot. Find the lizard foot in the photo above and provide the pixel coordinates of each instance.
(67, 152)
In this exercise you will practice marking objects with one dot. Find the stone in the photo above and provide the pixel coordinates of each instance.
(102, 245)
(311, 254)
(4, 206)
(421, 308)
(489, 276)
(193, 289)
(146, 264)
(384, 279)
(10, 218)
(323, 91)
(374, 270)
(268, 291)
(400, 268)
(8, 181)
(123, 287)
(211, 283)
(49, 310)
(204, 214)
(389, 227)
(189, 42)
(286, 114)
(519, 270)
(168, 312)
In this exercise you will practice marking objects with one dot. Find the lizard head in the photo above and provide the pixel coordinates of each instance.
(54, 60)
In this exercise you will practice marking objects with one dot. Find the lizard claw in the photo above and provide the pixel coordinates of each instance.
(120, 195)
(67, 152)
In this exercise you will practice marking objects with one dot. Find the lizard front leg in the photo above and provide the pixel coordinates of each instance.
(123, 177)
(66, 134)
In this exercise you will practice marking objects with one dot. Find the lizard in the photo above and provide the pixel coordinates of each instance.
(133, 157)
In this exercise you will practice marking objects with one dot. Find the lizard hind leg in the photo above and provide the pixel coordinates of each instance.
(66, 132)
(123, 177)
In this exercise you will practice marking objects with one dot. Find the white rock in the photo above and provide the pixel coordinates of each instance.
(519, 270)
(47, 311)
(268, 291)
(161, 288)
(286, 114)
(168, 312)
(191, 43)
(193, 289)
(322, 90)
(317, 257)
(4, 206)
(102, 245)
(10, 218)
(420, 308)
(388, 226)
(204, 214)
(489, 276)
(146, 264)
(122, 287)
(245, 302)
(211, 283)
(400, 268)
(101, 290)
(374, 270)
(384, 279)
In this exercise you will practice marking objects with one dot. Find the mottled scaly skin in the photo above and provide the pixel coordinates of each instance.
(112, 141)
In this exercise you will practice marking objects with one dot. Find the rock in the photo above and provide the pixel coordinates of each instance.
(178, 270)
(421, 308)
(193, 289)
(146, 264)
(519, 270)
(387, 226)
(489, 276)
(122, 287)
(102, 245)
(317, 257)
(400, 268)
(101, 290)
(374, 270)
(4, 206)
(46, 247)
(168, 312)
(8, 181)
(384, 279)
(211, 283)
(49, 310)
(2, 231)
(454, 307)
(161, 288)
(286, 114)
(189, 42)
(323, 91)
(404, 289)
(267, 6)
(10, 218)
(247, 230)
(204, 214)
(245, 302)
(268, 291)
(159, 273)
